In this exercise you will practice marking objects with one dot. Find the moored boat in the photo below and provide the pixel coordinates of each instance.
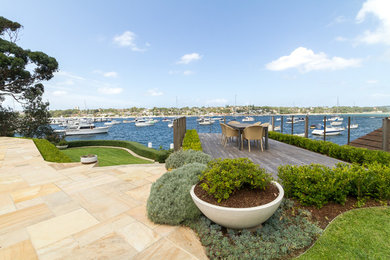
(87, 129)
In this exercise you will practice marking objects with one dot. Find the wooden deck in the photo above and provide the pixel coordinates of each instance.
(372, 141)
(277, 154)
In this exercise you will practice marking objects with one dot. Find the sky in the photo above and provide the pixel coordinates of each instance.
(120, 54)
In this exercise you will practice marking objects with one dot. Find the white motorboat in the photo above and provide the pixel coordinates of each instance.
(336, 118)
(170, 124)
(87, 129)
(248, 119)
(166, 120)
(277, 128)
(143, 122)
(301, 134)
(113, 122)
(336, 123)
(278, 119)
(330, 130)
(354, 126)
(290, 120)
(206, 121)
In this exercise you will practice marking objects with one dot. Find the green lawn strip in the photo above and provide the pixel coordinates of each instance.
(357, 234)
(106, 156)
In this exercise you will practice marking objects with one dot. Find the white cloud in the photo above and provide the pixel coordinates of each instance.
(337, 20)
(67, 82)
(306, 60)
(340, 39)
(127, 39)
(217, 101)
(187, 58)
(155, 92)
(109, 74)
(59, 93)
(185, 72)
(110, 91)
(188, 72)
(68, 75)
(371, 81)
(381, 10)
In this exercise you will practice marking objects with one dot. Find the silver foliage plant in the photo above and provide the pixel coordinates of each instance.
(180, 158)
(170, 201)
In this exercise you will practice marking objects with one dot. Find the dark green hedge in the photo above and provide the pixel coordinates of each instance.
(342, 152)
(49, 152)
(142, 150)
(191, 141)
(318, 184)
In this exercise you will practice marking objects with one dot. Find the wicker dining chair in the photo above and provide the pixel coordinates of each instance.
(255, 133)
(230, 133)
(223, 128)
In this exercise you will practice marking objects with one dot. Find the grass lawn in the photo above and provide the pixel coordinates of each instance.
(357, 234)
(106, 156)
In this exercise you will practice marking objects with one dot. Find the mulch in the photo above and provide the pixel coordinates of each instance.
(243, 198)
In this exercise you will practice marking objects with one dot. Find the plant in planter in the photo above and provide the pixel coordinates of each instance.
(236, 193)
(62, 144)
(90, 158)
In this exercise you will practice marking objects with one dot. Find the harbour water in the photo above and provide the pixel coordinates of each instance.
(161, 136)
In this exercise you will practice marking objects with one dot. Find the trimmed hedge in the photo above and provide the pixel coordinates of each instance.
(345, 152)
(191, 141)
(170, 201)
(318, 184)
(49, 152)
(181, 157)
(140, 149)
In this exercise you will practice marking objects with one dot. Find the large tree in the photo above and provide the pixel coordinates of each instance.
(22, 72)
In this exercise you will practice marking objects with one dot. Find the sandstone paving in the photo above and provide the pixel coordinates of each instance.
(75, 211)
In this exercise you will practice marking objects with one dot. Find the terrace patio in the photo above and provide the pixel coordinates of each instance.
(277, 154)
(74, 211)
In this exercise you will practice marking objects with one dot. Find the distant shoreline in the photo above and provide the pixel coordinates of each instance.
(238, 115)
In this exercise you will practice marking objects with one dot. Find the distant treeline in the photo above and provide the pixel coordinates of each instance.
(163, 111)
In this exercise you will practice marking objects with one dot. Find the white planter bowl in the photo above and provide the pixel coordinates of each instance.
(62, 147)
(238, 218)
(87, 160)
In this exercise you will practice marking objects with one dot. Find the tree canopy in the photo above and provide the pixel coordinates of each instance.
(22, 72)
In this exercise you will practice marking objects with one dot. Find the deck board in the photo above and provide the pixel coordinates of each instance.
(277, 154)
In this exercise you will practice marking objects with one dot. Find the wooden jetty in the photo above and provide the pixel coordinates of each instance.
(372, 141)
(277, 154)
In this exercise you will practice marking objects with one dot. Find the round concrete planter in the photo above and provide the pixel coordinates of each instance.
(238, 218)
(62, 147)
(88, 159)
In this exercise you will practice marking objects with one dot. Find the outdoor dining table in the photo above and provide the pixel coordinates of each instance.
(241, 126)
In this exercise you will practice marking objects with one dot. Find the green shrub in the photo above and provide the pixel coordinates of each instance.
(191, 141)
(223, 177)
(62, 142)
(49, 152)
(142, 150)
(317, 184)
(279, 236)
(170, 201)
(182, 157)
(345, 152)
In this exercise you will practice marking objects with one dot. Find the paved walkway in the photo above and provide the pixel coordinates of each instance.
(74, 211)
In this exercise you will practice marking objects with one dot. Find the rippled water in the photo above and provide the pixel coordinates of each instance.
(161, 135)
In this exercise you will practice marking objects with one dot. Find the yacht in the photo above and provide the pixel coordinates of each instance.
(354, 126)
(206, 121)
(170, 124)
(86, 129)
(336, 118)
(248, 119)
(142, 122)
(330, 130)
(113, 122)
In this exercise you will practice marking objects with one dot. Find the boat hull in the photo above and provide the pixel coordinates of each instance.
(97, 130)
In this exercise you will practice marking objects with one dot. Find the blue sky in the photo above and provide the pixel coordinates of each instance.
(146, 53)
